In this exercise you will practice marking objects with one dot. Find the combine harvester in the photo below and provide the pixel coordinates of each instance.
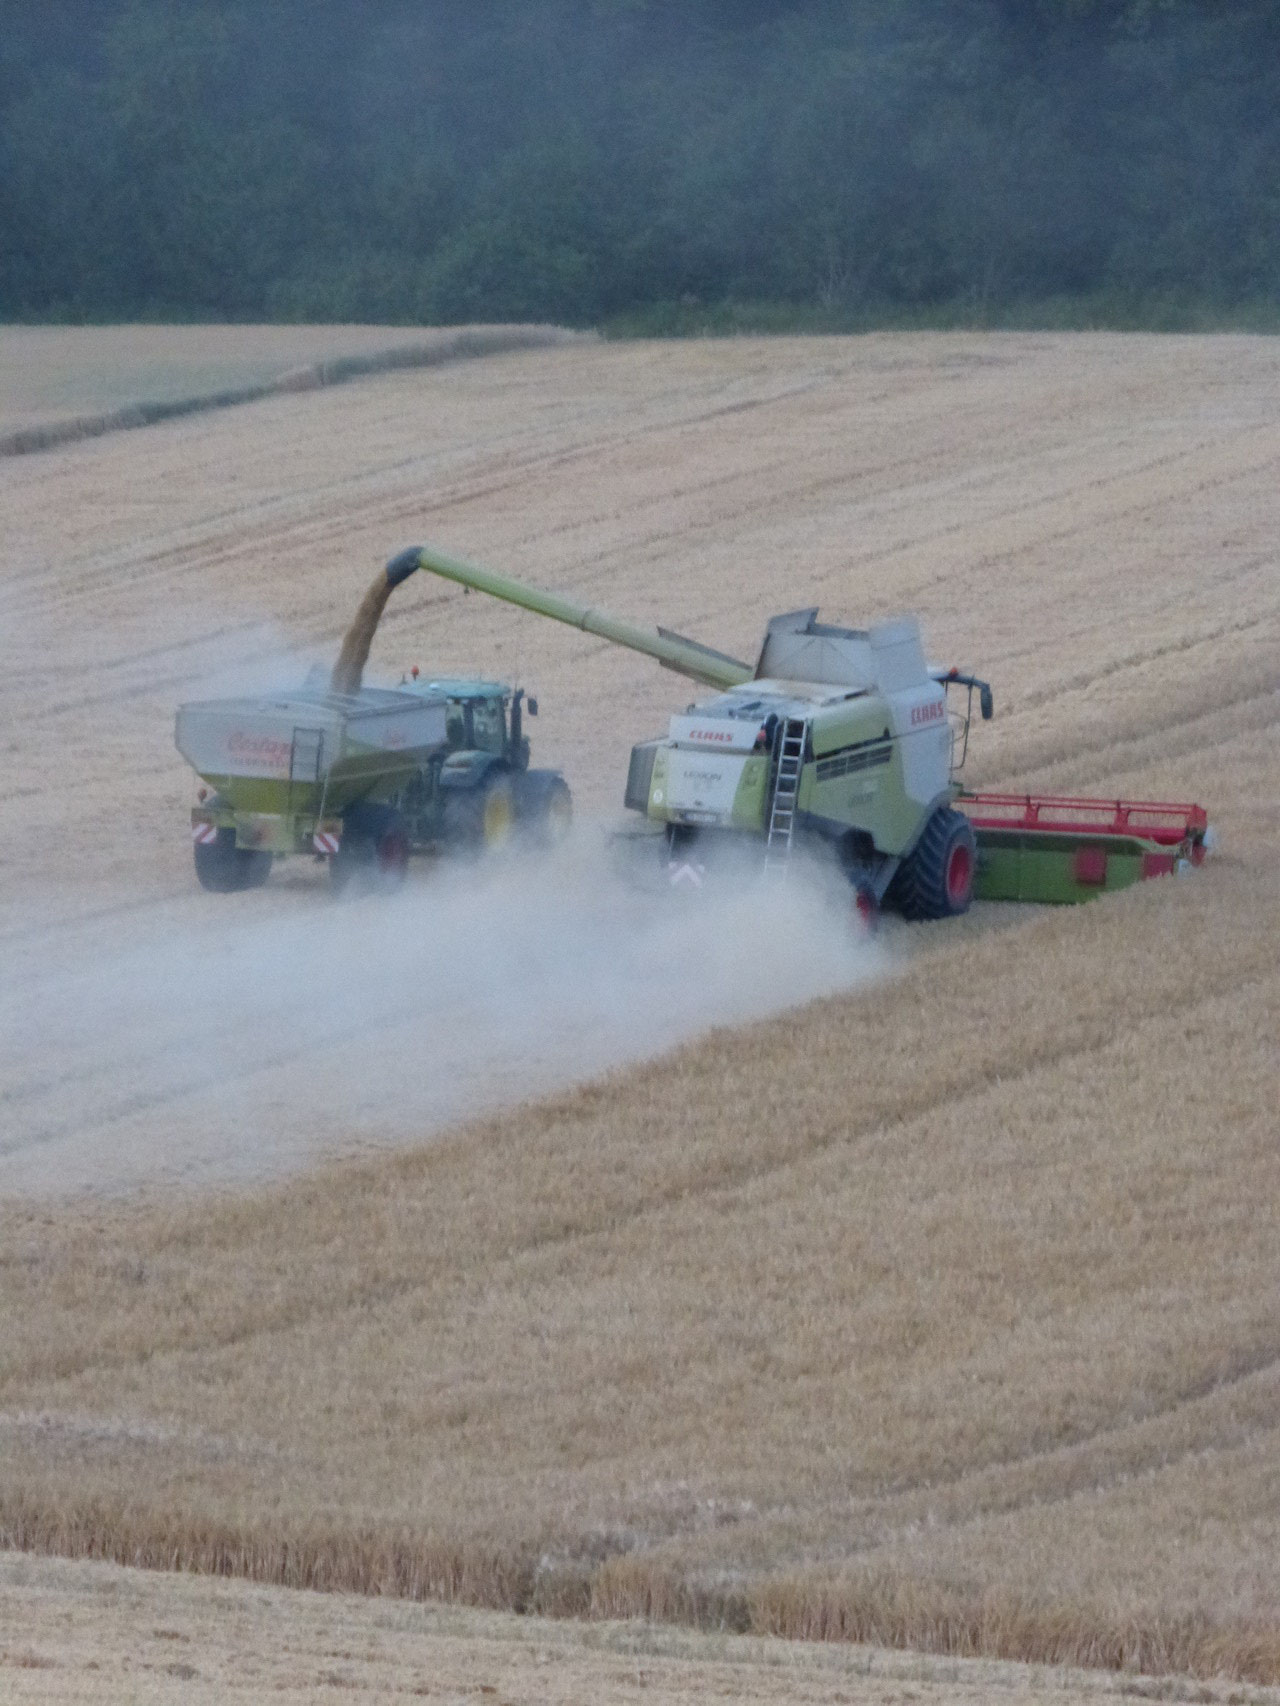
(843, 741)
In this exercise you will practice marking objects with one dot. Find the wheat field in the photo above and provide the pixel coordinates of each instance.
(939, 1311)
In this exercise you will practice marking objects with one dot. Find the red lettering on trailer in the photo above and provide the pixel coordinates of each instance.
(933, 712)
(265, 747)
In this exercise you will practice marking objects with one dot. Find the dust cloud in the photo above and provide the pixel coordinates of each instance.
(225, 1039)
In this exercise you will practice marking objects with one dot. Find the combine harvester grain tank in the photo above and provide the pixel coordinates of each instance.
(844, 742)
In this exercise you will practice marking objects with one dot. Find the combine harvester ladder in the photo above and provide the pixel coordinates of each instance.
(792, 737)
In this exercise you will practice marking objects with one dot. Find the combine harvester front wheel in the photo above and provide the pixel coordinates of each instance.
(937, 879)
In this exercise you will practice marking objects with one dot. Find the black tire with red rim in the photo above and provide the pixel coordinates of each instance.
(936, 881)
(866, 906)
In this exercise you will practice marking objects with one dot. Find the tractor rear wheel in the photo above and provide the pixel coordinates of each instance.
(224, 868)
(373, 854)
(936, 880)
(551, 819)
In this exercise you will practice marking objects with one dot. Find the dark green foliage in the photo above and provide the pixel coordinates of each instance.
(643, 163)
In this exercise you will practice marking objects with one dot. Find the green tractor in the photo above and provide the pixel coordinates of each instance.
(364, 779)
(846, 744)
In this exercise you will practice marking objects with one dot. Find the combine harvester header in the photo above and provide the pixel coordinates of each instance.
(1054, 847)
(844, 742)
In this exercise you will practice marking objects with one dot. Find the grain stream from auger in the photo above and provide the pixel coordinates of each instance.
(938, 1312)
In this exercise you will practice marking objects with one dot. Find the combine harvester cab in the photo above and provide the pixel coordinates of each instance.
(843, 741)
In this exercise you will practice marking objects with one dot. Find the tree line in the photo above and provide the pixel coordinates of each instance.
(638, 161)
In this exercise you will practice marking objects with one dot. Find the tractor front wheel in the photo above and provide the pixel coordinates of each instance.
(936, 880)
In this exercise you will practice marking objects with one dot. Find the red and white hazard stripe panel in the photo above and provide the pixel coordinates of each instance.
(204, 833)
(324, 841)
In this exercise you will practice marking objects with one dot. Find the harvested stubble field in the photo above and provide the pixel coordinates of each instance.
(62, 383)
(98, 1631)
(938, 1313)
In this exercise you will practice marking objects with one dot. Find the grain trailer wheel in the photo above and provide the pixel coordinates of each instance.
(224, 868)
(373, 854)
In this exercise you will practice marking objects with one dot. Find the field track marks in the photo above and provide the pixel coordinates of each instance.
(1218, 1414)
(96, 915)
(903, 492)
(532, 464)
(21, 674)
(108, 1113)
(652, 546)
(1088, 1041)
(1133, 755)
(979, 559)
(333, 509)
(1221, 1412)
(1186, 725)
(1176, 645)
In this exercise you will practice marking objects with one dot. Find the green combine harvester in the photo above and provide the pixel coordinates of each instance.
(843, 742)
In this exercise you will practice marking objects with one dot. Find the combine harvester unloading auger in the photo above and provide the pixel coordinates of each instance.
(843, 741)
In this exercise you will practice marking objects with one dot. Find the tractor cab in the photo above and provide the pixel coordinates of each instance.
(482, 716)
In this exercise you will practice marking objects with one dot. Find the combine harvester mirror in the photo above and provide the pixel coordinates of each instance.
(842, 741)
